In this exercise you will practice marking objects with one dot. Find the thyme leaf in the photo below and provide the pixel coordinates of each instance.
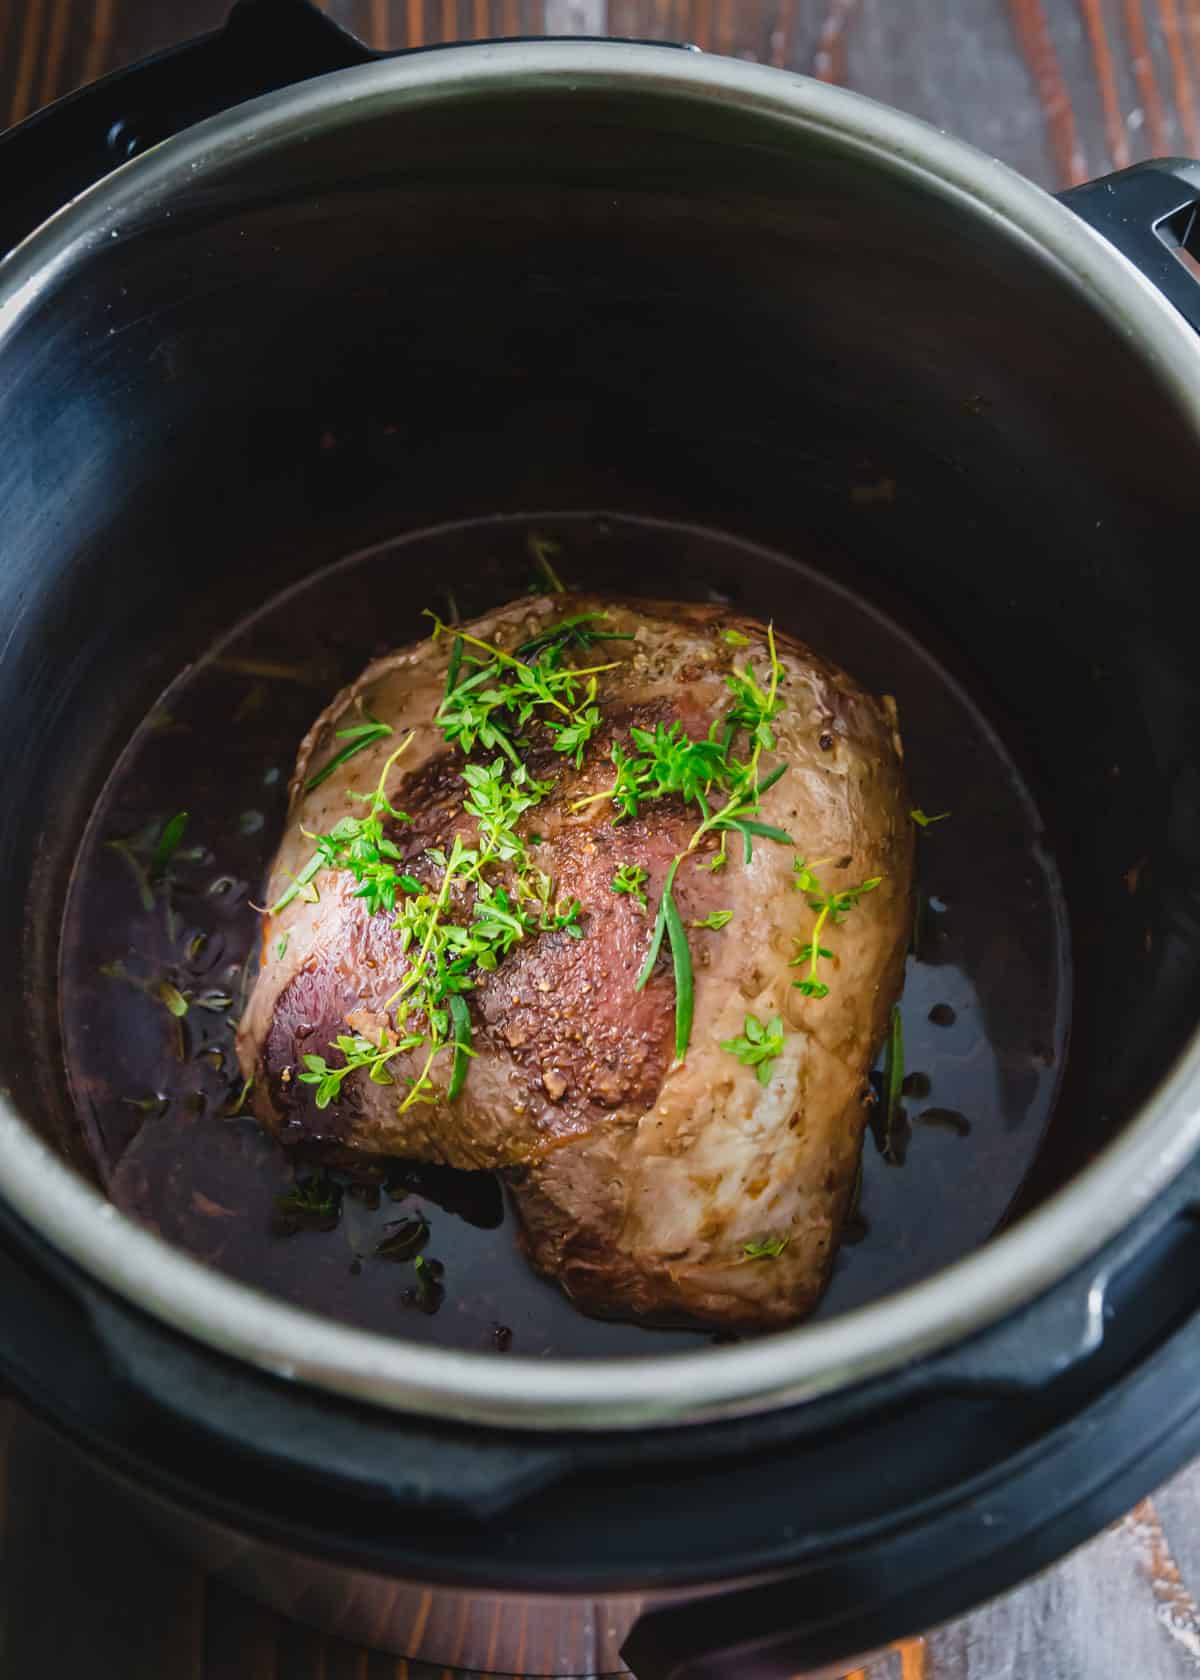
(631, 878)
(769, 1248)
(759, 1045)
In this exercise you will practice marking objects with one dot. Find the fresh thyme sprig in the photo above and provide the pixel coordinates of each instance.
(829, 907)
(360, 845)
(357, 1052)
(502, 692)
(667, 762)
(631, 878)
(496, 804)
(759, 1045)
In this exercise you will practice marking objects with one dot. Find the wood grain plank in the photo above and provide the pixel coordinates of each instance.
(1095, 1616)
(830, 58)
(1181, 73)
(1115, 133)
(100, 36)
(1146, 76)
(1032, 30)
(30, 46)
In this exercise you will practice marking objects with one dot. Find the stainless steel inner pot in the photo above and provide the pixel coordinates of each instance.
(605, 275)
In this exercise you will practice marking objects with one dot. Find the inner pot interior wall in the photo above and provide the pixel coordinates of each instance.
(555, 299)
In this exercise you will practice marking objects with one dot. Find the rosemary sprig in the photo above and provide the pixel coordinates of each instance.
(660, 927)
(685, 988)
(574, 632)
(172, 997)
(460, 1015)
(893, 1086)
(168, 842)
(358, 739)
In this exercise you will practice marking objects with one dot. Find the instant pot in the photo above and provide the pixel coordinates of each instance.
(583, 275)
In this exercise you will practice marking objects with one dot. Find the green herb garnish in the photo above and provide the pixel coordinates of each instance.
(735, 638)
(829, 907)
(236, 1108)
(301, 885)
(573, 632)
(358, 739)
(893, 1081)
(922, 821)
(770, 1248)
(405, 1239)
(685, 991)
(716, 919)
(660, 927)
(759, 1046)
(502, 692)
(631, 878)
(497, 801)
(360, 845)
(430, 1292)
(172, 997)
(357, 1052)
(124, 849)
(281, 945)
(460, 1015)
(572, 738)
(168, 841)
(311, 1204)
(542, 548)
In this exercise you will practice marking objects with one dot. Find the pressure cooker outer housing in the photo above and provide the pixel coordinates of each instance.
(605, 275)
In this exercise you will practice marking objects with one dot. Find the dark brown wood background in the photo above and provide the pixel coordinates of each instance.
(1061, 89)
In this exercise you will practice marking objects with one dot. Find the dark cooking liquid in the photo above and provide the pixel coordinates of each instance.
(985, 1004)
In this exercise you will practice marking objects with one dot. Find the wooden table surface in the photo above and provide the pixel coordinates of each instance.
(1061, 89)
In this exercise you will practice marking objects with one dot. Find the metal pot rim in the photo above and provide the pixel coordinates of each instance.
(794, 1365)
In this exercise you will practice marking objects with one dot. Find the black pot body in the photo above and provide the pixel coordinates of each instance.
(624, 303)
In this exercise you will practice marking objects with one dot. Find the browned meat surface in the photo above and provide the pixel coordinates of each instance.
(644, 1184)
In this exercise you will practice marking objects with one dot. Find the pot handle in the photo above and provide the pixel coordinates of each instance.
(1151, 213)
(797, 1623)
(59, 151)
(110, 1377)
